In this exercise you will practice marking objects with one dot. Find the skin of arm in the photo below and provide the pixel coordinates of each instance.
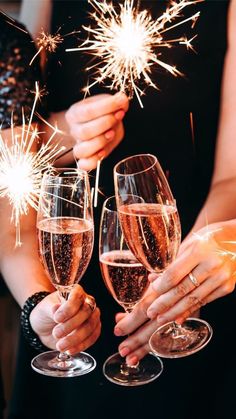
(36, 15)
(171, 296)
(224, 176)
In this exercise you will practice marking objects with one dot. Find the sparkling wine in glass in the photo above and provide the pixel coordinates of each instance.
(152, 231)
(65, 239)
(127, 281)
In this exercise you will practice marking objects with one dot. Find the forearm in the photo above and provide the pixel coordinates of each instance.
(220, 204)
(62, 137)
(23, 274)
(20, 266)
(36, 15)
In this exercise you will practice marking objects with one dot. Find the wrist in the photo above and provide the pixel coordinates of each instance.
(31, 337)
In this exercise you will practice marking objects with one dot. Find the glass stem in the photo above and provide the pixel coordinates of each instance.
(64, 292)
(125, 368)
(64, 360)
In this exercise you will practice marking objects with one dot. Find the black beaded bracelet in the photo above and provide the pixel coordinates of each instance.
(31, 337)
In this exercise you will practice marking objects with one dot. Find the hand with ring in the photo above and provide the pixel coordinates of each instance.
(72, 326)
(203, 271)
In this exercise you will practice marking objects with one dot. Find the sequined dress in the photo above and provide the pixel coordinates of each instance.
(17, 77)
(17, 83)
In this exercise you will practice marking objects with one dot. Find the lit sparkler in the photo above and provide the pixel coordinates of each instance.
(21, 170)
(127, 44)
(49, 42)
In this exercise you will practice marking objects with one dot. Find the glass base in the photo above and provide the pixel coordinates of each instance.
(47, 363)
(117, 371)
(175, 341)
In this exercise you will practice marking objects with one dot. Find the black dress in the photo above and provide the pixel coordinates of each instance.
(17, 82)
(191, 387)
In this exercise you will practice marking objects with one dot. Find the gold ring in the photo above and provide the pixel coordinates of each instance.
(90, 300)
(193, 279)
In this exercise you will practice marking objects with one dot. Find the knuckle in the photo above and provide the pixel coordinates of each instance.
(161, 305)
(218, 261)
(135, 342)
(197, 247)
(109, 122)
(168, 278)
(82, 132)
(214, 263)
(142, 308)
(224, 276)
(181, 289)
(75, 132)
(84, 112)
(228, 287)
(194, 303)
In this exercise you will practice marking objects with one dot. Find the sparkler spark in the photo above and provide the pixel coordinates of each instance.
(225, 252)
(222, 251)
(48, 42)
(21, 170)
(127, 44)
(204, 237)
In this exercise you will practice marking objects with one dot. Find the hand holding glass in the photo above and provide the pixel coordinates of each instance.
(65, 238)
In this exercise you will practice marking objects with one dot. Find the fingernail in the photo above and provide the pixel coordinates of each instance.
(120, 115)
(120, 98)
(118, 331)
(109, 134)
(124, 351)
(132, 361)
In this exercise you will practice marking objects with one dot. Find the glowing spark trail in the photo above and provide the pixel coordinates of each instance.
(127, 44)
(21, 170)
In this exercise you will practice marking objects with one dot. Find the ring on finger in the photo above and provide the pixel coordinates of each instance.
(193, 279)
(90, 301)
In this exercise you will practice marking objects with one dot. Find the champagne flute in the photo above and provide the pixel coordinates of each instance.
(127, 281)
(65, 237)
(152, 231)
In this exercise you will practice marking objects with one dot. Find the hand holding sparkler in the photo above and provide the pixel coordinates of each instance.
(127, 43)
(96, 124)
